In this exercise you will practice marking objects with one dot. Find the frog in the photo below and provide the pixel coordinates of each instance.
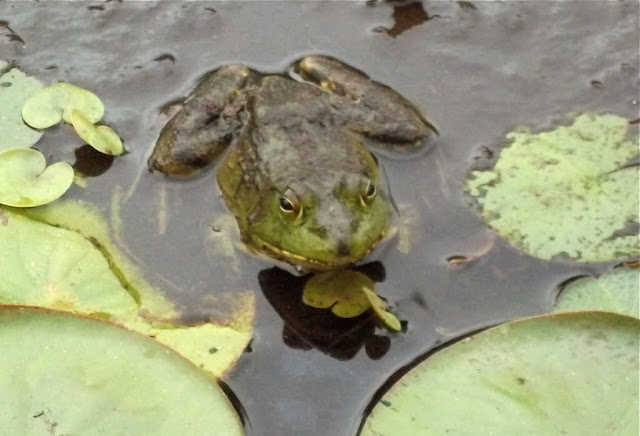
(297, 156)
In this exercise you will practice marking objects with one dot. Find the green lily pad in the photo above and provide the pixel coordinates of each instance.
(15, 88)
(562, 192)
(380, 308)
(102, 138)
(616, 291)
(60, 256)
(74, 375)
(340, 290)
(26, 181)
(574, 373)
(54, 103)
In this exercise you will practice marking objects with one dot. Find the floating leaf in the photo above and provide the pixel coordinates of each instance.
(572, 373)
(340, 290)
(15, 88)
(78, 375)
(79, 269)
(102, 138)
(26, 181)
(54, 103)
(562, 192)
(616, 291)
(380, 308)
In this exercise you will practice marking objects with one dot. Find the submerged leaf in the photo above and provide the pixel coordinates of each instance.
(570, 373)
(78, 375)
(60, 256)
(26, 181)
(616, 291)
(562, 192)
(15, 88)
(54, 103)
(340, 290)
(102, 138)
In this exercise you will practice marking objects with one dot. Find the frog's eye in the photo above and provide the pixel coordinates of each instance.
(290, 205)
(369, 192)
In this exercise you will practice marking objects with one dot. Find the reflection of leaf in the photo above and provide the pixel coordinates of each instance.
(571, 373)
(73, 375)
(15, 88)
(340, 290)
(54, 103)
(558, 192)
(26, 181)
(82, 271)
(615, 291)
(102, 138)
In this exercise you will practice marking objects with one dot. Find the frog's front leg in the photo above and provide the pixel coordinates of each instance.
(374, 110)
(209, 120)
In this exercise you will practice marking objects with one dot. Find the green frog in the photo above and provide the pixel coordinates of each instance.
(298, 175)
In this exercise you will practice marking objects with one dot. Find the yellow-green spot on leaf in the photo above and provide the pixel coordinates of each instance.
(616, 291)
(54, 103)
(572, 373)
(102, 138)
(563, 192)
(67, 374)
(15, 88)
(340, 290)
(380, 308)
(26, 181)
(61, 256)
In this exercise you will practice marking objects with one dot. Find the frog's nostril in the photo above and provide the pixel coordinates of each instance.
(343, 249)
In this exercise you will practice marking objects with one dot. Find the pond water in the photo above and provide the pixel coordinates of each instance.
(478, 69)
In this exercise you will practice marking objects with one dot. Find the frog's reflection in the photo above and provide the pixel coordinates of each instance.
(307, 327)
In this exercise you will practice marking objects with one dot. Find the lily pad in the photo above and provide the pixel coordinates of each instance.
(54, 103)
(15, 88)
(616, 291)
(573, 373)
(26, 181)
(78, 375)
(380, 308)
(562, 192)
(79, 269)
(102, 138)
(340, 290)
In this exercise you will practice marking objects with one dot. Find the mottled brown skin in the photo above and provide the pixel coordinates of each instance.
(302, 185)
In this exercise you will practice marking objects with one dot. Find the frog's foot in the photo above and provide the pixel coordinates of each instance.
(376, 111)
(206, 124)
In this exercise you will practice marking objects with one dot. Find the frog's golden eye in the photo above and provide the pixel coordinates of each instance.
(369, 192)
(290, 205)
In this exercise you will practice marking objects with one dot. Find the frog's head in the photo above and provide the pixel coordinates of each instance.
(324, 222)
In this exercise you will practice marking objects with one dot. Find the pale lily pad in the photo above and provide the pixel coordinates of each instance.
(78, 375)
(616, 291)
(380, 309)
(15, 88)
(26, 181)
(340, 290)
(573, 374)
(54, 103)
(60, 256)
(102, 138)
(562, 192)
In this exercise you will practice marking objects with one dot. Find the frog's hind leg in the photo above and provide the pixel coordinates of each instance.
(370, 108)
(209, 120)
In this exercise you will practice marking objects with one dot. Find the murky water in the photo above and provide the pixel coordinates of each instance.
(479, 69)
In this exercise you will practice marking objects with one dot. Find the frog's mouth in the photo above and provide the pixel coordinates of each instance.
(313, 265)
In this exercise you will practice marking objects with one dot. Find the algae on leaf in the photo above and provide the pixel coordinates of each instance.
(563, 192)
(82, 376)
(616, 291)
(60, 256)
(15, 88)
(573, 373)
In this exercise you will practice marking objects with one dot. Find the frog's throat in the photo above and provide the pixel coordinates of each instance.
(303, 261)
